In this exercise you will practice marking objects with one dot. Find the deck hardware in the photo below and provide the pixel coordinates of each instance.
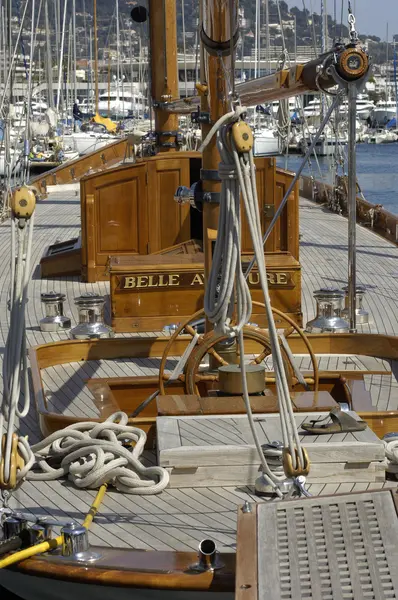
(230, 379)
(54, 307)
(170, 329)
(39, 532)
(23, 202)
(209, 559)
(263, 487)
(91, 318)
(269, 210)
(329, 304)
(361, 313)
(200, 117)
(75, 544)
(209, 175)
(301, 469)
(13, 525)
(299, 483)
(246, 508)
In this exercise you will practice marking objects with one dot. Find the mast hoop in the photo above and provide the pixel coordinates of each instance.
(218, 48)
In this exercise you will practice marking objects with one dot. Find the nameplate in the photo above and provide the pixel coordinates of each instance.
(194, 280)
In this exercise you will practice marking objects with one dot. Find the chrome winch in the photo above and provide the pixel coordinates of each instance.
(329, 305)
(362, 315)
(54, 307)
(91, 318)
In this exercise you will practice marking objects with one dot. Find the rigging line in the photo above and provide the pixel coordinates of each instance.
(335, 22)
(22, 41)
(281, 24)
(197, 46)
(306, 16)
(281, 206)
(341, 21)
(184, 47)
(29, 102)
(313, 32)
(13, 58)
(232, 49)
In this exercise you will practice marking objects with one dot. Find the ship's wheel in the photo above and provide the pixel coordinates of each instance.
(208, 342)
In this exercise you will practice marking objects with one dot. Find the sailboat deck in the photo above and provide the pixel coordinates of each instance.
(179, 519)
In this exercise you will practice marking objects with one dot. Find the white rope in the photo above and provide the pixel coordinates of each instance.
(179, 368)
(391, 450)
(15, 368)
(91, 454)
(237, 173)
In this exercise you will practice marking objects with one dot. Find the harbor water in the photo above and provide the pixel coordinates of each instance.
(377, 171)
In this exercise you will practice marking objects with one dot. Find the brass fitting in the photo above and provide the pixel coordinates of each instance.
(17, 463)
(287, 462)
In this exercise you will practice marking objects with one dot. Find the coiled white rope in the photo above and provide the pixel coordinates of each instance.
(237, 172)
(391, 450)
(91, 454)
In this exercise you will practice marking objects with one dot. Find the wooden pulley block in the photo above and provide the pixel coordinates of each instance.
(16, 464)
(23, 202)
(242, 136)
(287, 462)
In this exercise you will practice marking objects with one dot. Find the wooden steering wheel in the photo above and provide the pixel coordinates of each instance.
(206, 344)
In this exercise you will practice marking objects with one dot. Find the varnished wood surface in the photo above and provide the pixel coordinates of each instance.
(96, 161)
(131, 210)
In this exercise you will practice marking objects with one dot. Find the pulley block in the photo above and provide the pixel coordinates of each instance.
(16, 464)
(300, 469)
(242, 136)
(23, 202)
(352, 63)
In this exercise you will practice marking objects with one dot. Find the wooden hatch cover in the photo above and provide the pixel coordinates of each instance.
(341, 547)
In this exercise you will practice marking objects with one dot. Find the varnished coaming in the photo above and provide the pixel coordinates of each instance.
(128, 398)
(95, 162)
(137, 569)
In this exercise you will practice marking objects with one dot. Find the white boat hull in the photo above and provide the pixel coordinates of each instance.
(265, 144)
(16, 167)
(83, 143)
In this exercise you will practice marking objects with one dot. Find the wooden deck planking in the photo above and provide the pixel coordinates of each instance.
(178, 519)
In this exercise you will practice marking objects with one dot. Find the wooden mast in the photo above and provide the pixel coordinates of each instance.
(215, 36)
(163, 45)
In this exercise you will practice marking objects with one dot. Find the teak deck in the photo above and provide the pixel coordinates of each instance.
(179, 519)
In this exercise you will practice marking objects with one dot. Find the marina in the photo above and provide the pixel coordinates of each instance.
(199, 331)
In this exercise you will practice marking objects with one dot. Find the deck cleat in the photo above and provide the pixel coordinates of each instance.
(75, 544)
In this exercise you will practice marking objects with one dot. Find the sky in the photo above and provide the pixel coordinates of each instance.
(371, 15)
